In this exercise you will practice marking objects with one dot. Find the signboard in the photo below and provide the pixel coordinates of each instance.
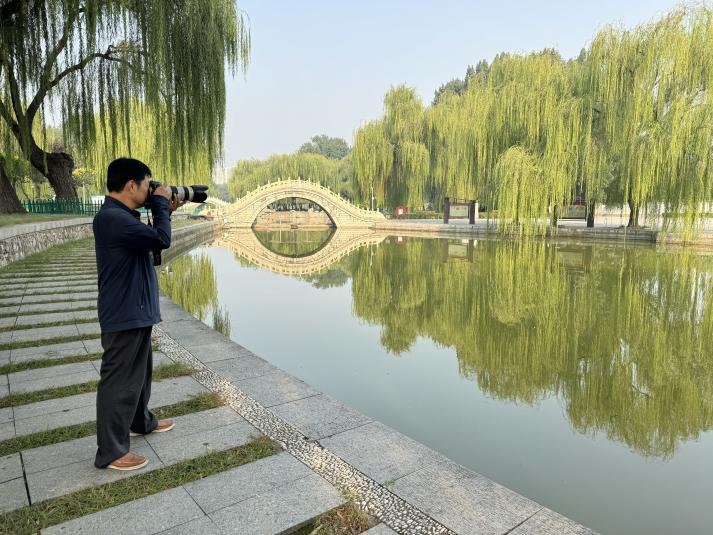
(459, 211)
(401, 211)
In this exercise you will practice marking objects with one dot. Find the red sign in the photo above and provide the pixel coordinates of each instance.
(401, 210)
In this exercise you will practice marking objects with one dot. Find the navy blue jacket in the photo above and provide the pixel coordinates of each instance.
(128, 288)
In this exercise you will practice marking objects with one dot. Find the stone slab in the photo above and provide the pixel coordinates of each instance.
(51, 406)
(68, 452)
(57, 297)
(247, 367)
(52, 371)
(280, 509)
(10, 467)
(275, 388)
(68, 478)
(4, 390)
(320, 416)
(6, 415)
(45, 422)
(93, 345)
(197, 422)
(7, 431)
(64, 349)
(202, 526)
(149, 515)
(41, 333)
(464, 501)
(224, 350)
(547, 521)
(56, 382)
(88, 328)
(238, 484)
(51, 317)
(364, 448)
(196, 444)
(65, 305)
(13, 495)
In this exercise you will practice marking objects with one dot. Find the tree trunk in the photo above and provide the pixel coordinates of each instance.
(57, 167)
(9, 203)
(591, 207)
(555, 216)
(633, 214)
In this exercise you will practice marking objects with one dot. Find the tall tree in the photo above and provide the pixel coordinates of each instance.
(333, 148)
(72, 58)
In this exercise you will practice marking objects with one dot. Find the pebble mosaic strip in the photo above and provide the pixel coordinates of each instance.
(374, 498)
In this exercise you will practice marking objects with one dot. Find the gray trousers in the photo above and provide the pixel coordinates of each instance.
(123, 392)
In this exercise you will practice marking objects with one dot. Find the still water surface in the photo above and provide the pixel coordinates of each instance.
(578, 375)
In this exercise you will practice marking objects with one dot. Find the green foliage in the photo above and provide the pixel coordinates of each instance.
(629, 120)
(91, 62)
(334, 148)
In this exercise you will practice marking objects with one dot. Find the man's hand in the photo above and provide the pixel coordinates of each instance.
(164, 191)
(174, 203)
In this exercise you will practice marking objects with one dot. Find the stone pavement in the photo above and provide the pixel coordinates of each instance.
(332, 453)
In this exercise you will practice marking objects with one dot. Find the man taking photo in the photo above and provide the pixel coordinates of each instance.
(128, 309)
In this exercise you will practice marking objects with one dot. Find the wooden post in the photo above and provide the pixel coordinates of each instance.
(446, 209)
(471, 212)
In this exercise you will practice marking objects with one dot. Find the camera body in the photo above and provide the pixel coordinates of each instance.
(184, 193)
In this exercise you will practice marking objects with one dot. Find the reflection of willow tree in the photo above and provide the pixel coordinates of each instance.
(294, 243)
(622, 338)
(190, 282)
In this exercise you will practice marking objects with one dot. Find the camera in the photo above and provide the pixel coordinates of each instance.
(184, 193)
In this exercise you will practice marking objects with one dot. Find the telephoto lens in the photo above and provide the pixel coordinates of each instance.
(184, 193)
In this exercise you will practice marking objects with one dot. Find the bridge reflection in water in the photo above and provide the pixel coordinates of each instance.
(344, 240)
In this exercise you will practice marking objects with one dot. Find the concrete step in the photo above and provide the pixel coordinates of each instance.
(270, 496)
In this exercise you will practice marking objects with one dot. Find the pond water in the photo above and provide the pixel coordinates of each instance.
(580, 376)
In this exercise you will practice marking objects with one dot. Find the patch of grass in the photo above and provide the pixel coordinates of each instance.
(173, 369)
(160, 372)
(24, 327)
(48, 341)
(37, 312)
(347, 519)
(46, 363)
(197, 403)
(29, 520)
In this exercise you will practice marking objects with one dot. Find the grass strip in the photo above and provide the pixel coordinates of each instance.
(197, 403)
(48, 341)
(162, 371)
(25, 326)
(46, 363)
(347, 519)
(35, 517)
(38, 312)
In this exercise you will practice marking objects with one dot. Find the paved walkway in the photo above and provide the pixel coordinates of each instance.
(331, 452)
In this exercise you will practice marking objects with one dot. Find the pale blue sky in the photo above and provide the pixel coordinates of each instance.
(324, 66)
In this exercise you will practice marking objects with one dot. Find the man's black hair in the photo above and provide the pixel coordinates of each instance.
(121, 170)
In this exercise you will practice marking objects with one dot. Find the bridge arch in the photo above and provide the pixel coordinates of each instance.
(243, 212)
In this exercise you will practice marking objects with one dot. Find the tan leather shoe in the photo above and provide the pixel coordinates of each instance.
(130, 461)
(163, 426)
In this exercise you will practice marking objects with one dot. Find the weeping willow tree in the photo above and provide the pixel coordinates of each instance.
(190, 282)
(141, 144)
(390, 155)
(70, 60)
(373, 161)
(653, 87)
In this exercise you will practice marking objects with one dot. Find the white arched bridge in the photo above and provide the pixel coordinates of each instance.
(243, 212)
